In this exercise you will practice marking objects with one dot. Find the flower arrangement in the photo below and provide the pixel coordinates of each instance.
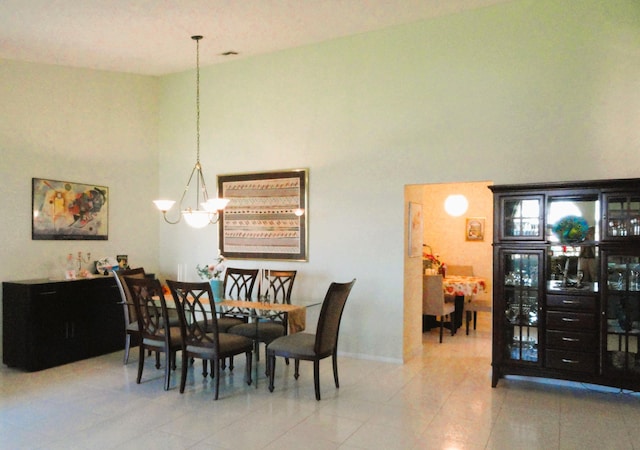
(430, 259)
(212, 271)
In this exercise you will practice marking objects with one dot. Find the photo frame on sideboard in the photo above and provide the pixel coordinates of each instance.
(267, 215)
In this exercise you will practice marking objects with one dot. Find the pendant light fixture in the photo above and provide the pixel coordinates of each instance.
(208, 210)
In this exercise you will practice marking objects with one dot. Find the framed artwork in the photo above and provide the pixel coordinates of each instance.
(415, 230)
(266, 217)
(64, 210)
(474, 229)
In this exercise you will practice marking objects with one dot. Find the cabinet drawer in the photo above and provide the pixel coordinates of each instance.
(565, 320)
(574, 361)
(571, 302)
(571, 340)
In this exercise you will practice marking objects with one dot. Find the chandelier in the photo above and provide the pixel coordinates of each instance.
(207, 210)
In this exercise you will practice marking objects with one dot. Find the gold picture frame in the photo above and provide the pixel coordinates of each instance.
(474, 229)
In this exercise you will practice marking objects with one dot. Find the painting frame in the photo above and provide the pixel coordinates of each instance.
(267, 217)
(65, 210)
(416, 230)
(474, 229)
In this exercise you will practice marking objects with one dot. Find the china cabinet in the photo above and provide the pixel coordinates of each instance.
(48, 323)
(567, 281)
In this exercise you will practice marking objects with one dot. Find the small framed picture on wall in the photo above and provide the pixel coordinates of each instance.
(474, 229)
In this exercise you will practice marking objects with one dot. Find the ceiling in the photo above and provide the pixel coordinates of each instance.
(152, 37)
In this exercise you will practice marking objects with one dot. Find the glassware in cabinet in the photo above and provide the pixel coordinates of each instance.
(622, 293)
(622, 216)
(522, 217)
(521, 295)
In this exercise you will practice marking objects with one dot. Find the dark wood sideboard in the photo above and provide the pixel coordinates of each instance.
(49, 323)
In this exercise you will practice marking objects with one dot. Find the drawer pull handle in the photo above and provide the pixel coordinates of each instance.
(567, 339)
(568, 319)
(570, 302)
(570, 361)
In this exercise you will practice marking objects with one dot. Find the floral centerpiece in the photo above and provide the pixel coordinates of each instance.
(213, 273)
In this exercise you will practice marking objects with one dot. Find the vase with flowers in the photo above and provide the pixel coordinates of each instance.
(431, 262)
(213, 273)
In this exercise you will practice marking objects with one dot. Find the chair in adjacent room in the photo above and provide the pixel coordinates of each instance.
(314, 347)
(153, 322)
(130, 321)
(278, 286)
(200, 335)
(466, 271)
(475, 305)
(433, 301)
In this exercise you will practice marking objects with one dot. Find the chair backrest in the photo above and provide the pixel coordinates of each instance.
(153, 321)
(125, 294)
(433, 295)
(280, 284)
(330, 317)
(193, 301)
(238, 283)
(466, 271)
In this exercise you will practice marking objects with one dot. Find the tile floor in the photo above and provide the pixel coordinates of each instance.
(441, 400)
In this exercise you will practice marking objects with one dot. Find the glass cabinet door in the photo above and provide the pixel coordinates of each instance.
(622, 312)
(622, 216)
(521, 296)
(522, 218)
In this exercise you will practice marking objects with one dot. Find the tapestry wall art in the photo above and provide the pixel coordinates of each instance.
(267, 215)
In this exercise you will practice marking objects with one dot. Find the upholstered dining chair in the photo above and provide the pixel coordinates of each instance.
(130, 319)
(462, 270)
(199, 329)
(433, 301)
(278, 286)
(473, 306)
(153, 322)
(314, 347)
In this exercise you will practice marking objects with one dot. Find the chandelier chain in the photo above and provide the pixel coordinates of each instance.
(197, 39)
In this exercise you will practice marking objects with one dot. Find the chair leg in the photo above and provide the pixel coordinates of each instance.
(183, 375)
(441, 327)
(140, 364)
(157, 360)
(167, 369)
(127, 346)
(475, 319)
(248, 357)
(204, 368)
(215, 369)
(316, 378)
(271, 363)
(296, 371)
(467, 319)
(335, 368)
(231, 364)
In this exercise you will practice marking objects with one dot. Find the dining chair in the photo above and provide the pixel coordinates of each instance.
(433, 301)
(201, 337)
(130, 319)
(474, 305)
(466, 271)
(238, 284)
(277, 285)
(153, 322)
(314, 347)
